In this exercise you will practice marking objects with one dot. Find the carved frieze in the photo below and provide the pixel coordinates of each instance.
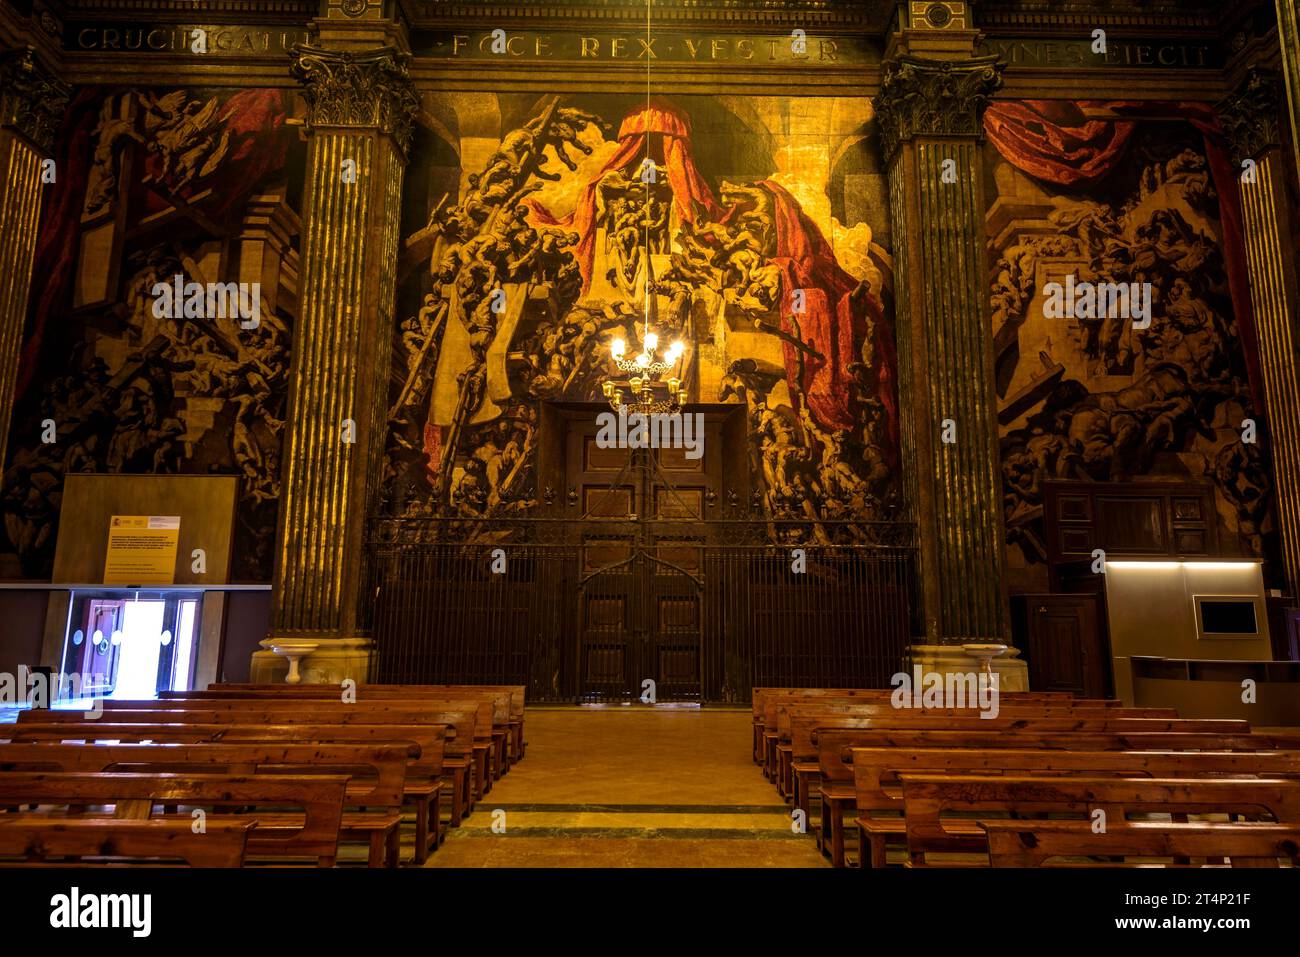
(32, 100)
(921, 97)
(371, 88)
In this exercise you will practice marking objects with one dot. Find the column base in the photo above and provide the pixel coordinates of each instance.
(1013, 674)
(334, 660)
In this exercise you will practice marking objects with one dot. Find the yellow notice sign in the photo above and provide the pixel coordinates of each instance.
(142, 550)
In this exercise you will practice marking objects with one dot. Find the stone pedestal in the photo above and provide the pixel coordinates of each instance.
(331, 663)
(1013, 674)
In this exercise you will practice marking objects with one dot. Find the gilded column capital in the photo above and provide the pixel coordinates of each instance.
(1250, 115)
(371, 88)
(32, 100)
(924, 97)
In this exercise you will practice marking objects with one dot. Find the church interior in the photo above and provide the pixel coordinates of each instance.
(762, 434)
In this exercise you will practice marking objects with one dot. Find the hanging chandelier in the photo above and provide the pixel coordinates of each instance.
(645, 390)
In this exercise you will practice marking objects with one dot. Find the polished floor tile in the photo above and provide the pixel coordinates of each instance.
(632, 787)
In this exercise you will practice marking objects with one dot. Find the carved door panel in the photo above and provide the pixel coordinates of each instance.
(639, 605)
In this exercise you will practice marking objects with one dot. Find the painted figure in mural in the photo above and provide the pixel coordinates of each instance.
(646, 231)
(142, 392)
(1175, 389)
(111, 134)
(186, 136)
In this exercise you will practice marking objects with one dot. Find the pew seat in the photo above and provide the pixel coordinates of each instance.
(35, 839)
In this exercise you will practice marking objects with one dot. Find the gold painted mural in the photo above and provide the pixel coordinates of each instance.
(537, 231)
(159, 187)
(1123, 351)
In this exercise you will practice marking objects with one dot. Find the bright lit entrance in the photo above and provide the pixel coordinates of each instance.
(132, 644)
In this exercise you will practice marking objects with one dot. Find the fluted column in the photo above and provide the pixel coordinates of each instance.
(1288, 31)
(361, 108)
(32, 102)
(1251, 119)
(930, 113)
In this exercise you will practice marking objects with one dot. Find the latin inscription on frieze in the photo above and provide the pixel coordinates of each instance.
(221, 39)
(771, 50)
(1119, 54)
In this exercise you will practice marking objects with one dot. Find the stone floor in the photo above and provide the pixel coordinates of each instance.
(631, 787)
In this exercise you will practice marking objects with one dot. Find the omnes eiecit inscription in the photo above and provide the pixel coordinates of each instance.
(1119, 54)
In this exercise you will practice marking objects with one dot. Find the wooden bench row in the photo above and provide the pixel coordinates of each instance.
(768, 701)
(858, 757)
(375, 778)
(284, 777)
(954, 814)
(1012, 751)
(507, 714)
(472, 717)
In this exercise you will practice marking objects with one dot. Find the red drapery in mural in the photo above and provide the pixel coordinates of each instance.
(1054, 141)
(689, 187)
(833, 322)
(56, 248)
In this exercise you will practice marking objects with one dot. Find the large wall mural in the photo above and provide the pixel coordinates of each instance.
(1087, 193)
(153, 184)
(753, 229)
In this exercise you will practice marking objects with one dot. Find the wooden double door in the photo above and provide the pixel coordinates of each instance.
(642, 540)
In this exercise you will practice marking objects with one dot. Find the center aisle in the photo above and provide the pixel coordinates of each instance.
(631, 787)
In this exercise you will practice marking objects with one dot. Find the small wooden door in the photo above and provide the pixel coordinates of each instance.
(1064, 649)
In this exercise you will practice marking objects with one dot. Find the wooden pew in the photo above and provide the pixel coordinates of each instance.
(517, 699)
(427, 769)
(797, 751)
(474, 738)
(462, 749)
(928, 799)
(774, 705)
(377, 774)
(1033, 843)
(36, 837)
(878, 792)
(761, 697)
(837, 791)
(1018, 718)
(766, 700)
(498, 718)
(312, 832)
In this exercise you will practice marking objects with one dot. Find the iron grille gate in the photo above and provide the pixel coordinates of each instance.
(706, 622)
(639, 623)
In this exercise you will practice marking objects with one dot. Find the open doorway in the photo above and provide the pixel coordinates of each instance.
(132, 644)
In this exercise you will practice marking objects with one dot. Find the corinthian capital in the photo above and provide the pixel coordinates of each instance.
(1250, 115)
(32, 100)
(922, 97)
(371, 88)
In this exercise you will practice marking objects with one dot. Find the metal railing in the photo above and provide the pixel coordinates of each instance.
(583, 611)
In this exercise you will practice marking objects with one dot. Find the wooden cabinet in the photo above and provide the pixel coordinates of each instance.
(1063, 643)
